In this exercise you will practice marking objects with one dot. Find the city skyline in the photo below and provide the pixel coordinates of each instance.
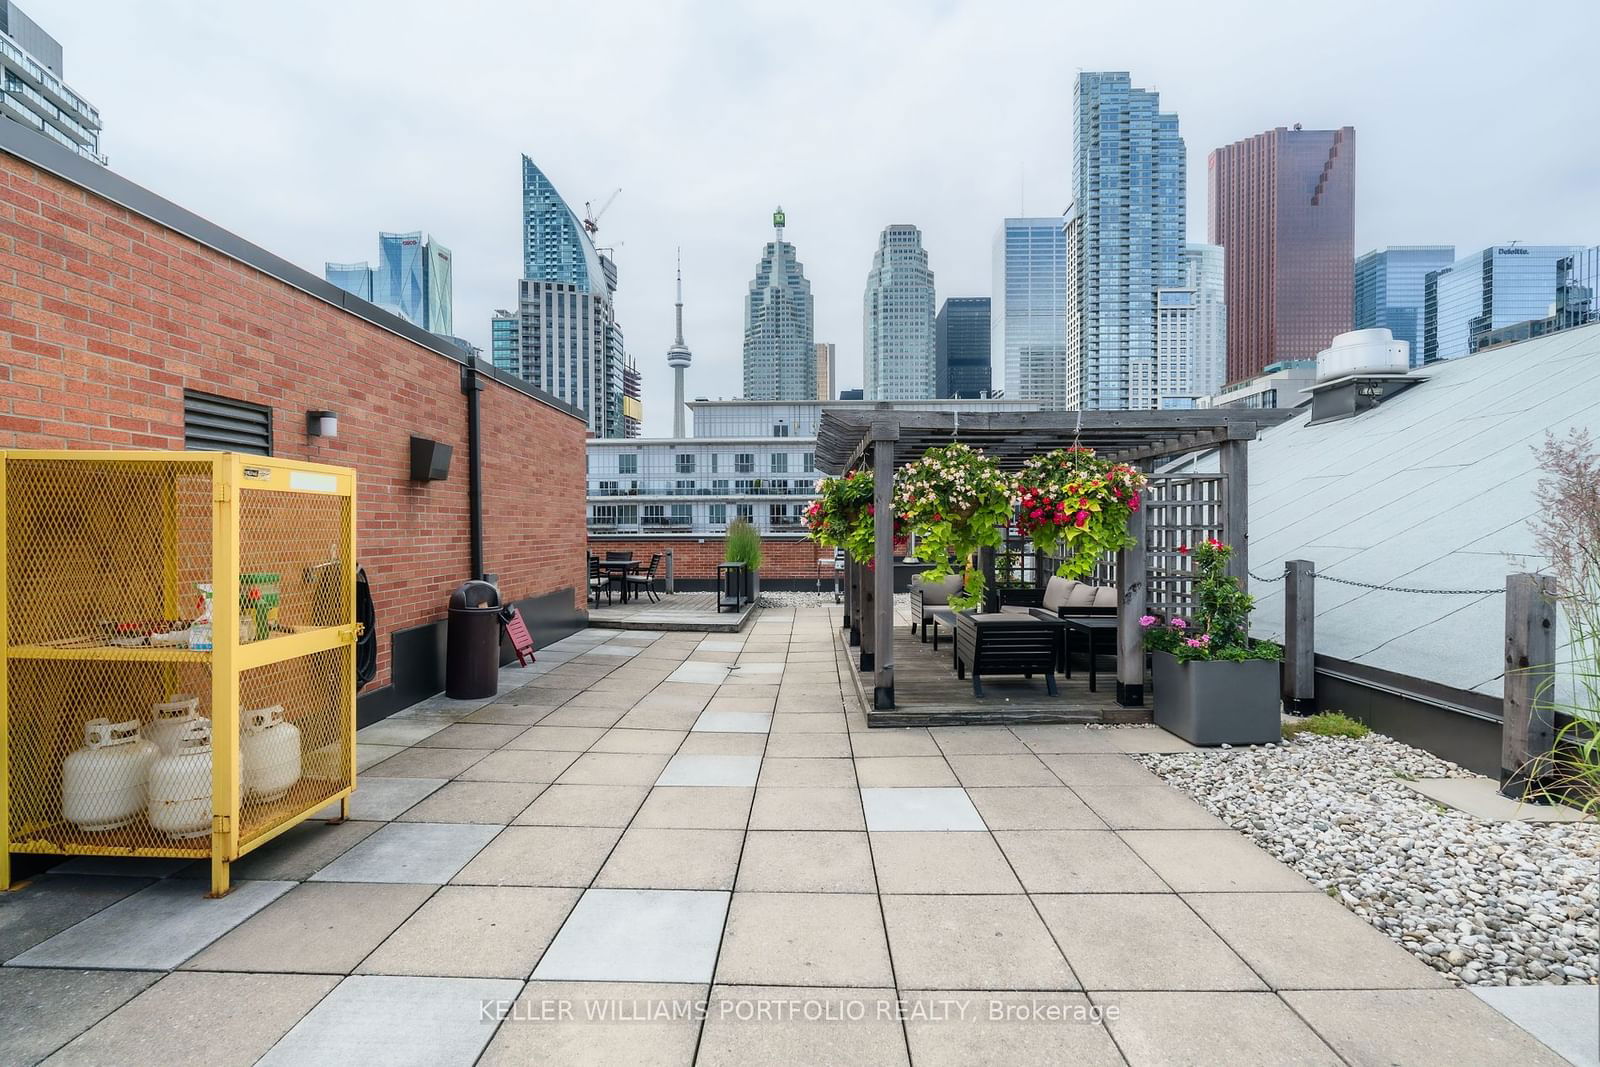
(284, 169)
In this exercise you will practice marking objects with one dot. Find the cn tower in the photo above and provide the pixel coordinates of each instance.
(678, 359)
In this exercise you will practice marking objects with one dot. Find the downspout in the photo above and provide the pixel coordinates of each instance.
(471, 386)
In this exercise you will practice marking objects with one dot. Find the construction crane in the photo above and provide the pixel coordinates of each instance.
(591, 217)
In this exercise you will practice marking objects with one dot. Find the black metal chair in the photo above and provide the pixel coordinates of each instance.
(598, 581)
(646, 582)
(618, 557)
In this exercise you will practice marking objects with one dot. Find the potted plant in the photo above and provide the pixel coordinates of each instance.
(955, 500)
(1070, 499)
(743, 545)
(1213, 684)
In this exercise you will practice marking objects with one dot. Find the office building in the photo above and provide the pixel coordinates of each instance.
(961, 347)
(565, 338)
(1027, 326)
(850, 394)
(412, 280)
(1128, 185)
(1205, 270)
(897, 343)
(1279, 385)
(632, 400)
(1282, 206)
(1485, 291)
(827, 369)
(32, 92)
(779, 325)
(1388, 290)
(1577, 281)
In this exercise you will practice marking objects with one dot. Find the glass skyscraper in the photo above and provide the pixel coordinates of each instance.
(555, 247)
(1389, 288)
(32, 92)
(780, 356)
(1487, 290)
(897, 341)
(1282, 206)
(1028, 321)
(1129, 200)
(1204, 270)
(961, 343)
(412, 280)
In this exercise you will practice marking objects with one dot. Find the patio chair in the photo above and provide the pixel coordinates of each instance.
(618, 557)
(1065, 597)
(646, 582)
(598, 581)
(1004, 644)
(926, 598)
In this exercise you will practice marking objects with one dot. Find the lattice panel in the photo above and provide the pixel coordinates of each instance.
(1180, 510)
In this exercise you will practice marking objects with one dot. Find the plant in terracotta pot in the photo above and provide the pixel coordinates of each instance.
(1074, 502)
(1213, 684)
(956, 500)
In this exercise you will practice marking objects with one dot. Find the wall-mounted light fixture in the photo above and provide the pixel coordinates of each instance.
(322, 423)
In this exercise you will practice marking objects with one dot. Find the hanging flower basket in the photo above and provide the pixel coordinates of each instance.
(843, 514)
(1073, 501)
(955, 500)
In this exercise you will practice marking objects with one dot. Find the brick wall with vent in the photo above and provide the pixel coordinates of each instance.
(108, 319)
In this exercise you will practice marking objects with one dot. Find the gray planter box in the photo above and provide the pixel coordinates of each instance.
(1217, 702)
(755, 586)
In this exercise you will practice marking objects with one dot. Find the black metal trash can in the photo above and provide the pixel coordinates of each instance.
(472, 643)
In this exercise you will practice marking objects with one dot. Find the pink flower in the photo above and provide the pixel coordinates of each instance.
(1179, 624)
(1148, 620)
(1195, 642)
(1082, 520)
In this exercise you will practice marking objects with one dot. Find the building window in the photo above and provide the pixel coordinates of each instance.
(744, 463)
(808, 462)
(682, 516)
(780, 429)
(719, 515)
(655, 515)
(685, 461)
(719, 486)
(713, 463)
(747, 512)
(780, 463)
(628, 463)
(608, 488)
(219, 424)
(685, 487)
(778, 517)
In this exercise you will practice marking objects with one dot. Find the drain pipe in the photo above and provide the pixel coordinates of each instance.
(471, 386)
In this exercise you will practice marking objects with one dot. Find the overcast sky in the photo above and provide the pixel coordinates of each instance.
(308, 127)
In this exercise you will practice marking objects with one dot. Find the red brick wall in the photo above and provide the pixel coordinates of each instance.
(106, 317)
(693, 558)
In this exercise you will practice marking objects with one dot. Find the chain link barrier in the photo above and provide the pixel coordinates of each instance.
(1384, 588)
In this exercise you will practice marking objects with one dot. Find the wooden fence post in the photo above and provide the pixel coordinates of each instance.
(1527, 727)
(1299, 637)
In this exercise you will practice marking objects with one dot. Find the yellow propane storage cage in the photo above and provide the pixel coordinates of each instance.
(177, 642)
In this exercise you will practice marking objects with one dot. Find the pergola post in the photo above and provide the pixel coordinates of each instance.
(885, 433)
(869, 631)
(848, 580)
(1130, 607)
(1234, 458)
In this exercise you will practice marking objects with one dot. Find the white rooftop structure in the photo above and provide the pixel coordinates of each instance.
(1434, 488)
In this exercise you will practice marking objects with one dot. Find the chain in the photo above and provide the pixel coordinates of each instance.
(1386, 588)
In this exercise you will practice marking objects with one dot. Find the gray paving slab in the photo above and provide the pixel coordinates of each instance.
(382, 799)
(401, 730)
(426, 763)
(692, 807)
(791, 773)
(615, 768)
(927, 810)
(1033, 808)
(638, 935)
(806, 861)
(475, 931)
(733, 722)
(51, 902)
(1237, 1029)
(714, 744)
(1141, 941)
(1146, 807)
(1009, 770)
(1481, 797)
(748, 1026)
(154, 929)
(724, 771)
(295, 854)
(1076, 861)
(584, 805)
(1307, 941)
(496, 803)
(1418, 1028)
(972, 943)
(599, 1023)
(429, 853)
(954, 862)
(670, 858)
(192, 1018)
(315, 928)
(805, 939)
(519, 765)
(957, 1028)
(1213, 861)
(471, 735)
(920, 772)
(1566, 1018)
(42, 1009)
(542, 856)
(121, 866)
(557, 738)
(807, 808)
(397, 1021)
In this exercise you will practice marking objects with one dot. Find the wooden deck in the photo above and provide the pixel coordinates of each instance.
(928, 693)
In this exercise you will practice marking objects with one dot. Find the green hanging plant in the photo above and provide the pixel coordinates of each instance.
(956, 500)
(1072, 501)
(842, 514)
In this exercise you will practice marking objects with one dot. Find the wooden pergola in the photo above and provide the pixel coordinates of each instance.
(882, 439)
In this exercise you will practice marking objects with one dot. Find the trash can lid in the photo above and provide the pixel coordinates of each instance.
(475, 594)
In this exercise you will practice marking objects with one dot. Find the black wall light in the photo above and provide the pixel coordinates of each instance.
(430, 460)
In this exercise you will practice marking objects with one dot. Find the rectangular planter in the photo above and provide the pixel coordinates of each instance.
(1217, 702)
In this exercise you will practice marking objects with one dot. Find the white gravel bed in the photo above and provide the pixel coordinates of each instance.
(1487, 903)
(785, 599)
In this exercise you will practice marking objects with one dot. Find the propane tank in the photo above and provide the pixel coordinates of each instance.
(270, 753)
(180, 784)
(103, 783)
(168, 720)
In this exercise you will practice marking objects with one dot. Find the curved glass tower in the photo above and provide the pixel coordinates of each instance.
(554, 246)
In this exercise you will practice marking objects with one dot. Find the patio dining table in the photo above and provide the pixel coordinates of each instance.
(618, 570)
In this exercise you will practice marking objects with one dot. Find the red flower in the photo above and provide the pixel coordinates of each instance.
(1183, 549)
(1082, 519)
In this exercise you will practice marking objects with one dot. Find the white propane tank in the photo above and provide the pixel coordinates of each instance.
(180, 784)
(168, 720)
(103, 783)
(270, 752)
